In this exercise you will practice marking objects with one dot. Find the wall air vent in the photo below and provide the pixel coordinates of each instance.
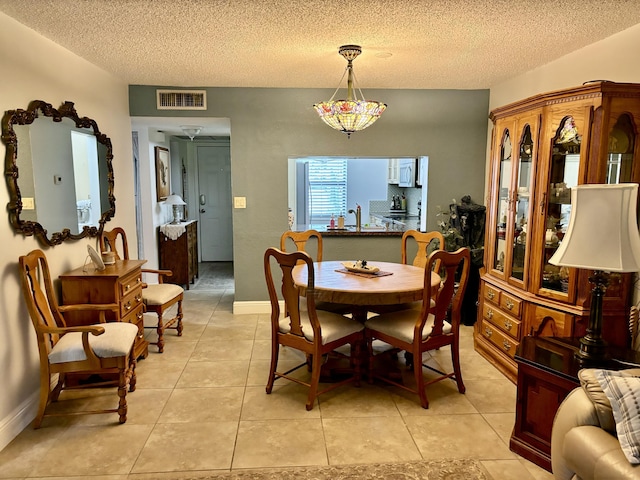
(181, 99)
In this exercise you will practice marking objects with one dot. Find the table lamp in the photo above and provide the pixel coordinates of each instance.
(176, 202)
(602, 236)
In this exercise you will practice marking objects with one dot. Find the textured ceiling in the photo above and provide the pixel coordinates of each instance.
(461, 44)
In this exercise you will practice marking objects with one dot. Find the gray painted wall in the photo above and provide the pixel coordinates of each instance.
(270, 125)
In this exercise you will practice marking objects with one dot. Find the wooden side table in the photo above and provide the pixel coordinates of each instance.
(547, 372)
(119, 283)
(179, 253)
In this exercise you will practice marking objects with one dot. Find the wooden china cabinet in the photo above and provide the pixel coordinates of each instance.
(542, 147)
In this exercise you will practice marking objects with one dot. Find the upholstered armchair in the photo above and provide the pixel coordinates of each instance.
(587, 440)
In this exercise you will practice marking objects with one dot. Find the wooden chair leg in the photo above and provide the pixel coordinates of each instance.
(132, 378)
(179, 315)
(122, 394)
(160, 332)
(417, 372)
(315, 380)
(275, 350)
(455, 359)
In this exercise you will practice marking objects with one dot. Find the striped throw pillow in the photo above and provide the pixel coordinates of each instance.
(623, 391)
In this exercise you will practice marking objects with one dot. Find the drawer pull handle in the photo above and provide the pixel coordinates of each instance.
(488, 332)
(127, 306)
(506, 345)
(490, 314)
(138, 298)
(139, 316)
(127, 287)
(510, 304)
(491, 294)
(508, 324)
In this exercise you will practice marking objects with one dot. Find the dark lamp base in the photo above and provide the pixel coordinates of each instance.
(592, 349)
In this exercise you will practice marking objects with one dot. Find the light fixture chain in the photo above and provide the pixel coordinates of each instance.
(356, 87)
(341, 78)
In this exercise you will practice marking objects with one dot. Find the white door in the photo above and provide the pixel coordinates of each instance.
(214, 185)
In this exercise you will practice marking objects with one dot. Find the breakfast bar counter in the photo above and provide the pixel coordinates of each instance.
(350, 231)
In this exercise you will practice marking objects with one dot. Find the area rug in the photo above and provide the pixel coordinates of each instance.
(460, 469)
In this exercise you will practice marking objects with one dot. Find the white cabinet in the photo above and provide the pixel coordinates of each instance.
(393, 176)
(407, 172)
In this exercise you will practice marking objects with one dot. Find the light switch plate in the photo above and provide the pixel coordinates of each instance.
(28, 203)
(239, 202)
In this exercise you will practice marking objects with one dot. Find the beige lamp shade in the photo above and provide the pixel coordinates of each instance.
(603, 229)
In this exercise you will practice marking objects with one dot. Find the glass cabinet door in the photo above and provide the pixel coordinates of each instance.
(620, 151)
(503, 202)
(522, 205)
(564, 174)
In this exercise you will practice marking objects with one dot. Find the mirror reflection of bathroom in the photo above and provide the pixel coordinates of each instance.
(86, 178)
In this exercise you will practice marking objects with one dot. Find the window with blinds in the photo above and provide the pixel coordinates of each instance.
(327, 189)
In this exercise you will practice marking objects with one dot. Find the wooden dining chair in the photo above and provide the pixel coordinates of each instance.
(424, 243)
(157, 297)
(300, 240)
(100, 348)
(311, 331)
(418, 331)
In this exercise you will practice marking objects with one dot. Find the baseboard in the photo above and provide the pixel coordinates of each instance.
(16, 421)
(253, 307)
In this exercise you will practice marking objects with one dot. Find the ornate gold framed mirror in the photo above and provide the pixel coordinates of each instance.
(59, 173)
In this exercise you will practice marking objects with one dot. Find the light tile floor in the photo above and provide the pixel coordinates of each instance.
(201, 406)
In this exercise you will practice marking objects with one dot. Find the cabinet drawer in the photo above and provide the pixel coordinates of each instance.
(492, 294)
(127, 284)
(130, 302)
(504, 322)
(511, 304)
(504, 343)
(135, 316)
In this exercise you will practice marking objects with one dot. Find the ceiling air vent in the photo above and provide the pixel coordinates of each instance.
(182, 99)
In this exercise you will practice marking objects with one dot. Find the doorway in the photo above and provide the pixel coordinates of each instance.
(214, 203)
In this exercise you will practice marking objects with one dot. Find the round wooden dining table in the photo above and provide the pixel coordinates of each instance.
(396, 283)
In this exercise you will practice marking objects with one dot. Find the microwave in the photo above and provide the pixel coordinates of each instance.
(407, 172)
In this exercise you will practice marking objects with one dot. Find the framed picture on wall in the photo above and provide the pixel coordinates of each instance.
(162, 173)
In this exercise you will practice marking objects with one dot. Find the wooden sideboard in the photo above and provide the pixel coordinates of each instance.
(120, 283)
(180, 255)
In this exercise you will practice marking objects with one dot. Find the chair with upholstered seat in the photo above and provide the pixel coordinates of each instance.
(99, 348)
(157, 297)
(311, 331)
(431, 327)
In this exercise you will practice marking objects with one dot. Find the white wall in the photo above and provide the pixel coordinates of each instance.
(157, 212)
(35, 68)
(614, 58)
